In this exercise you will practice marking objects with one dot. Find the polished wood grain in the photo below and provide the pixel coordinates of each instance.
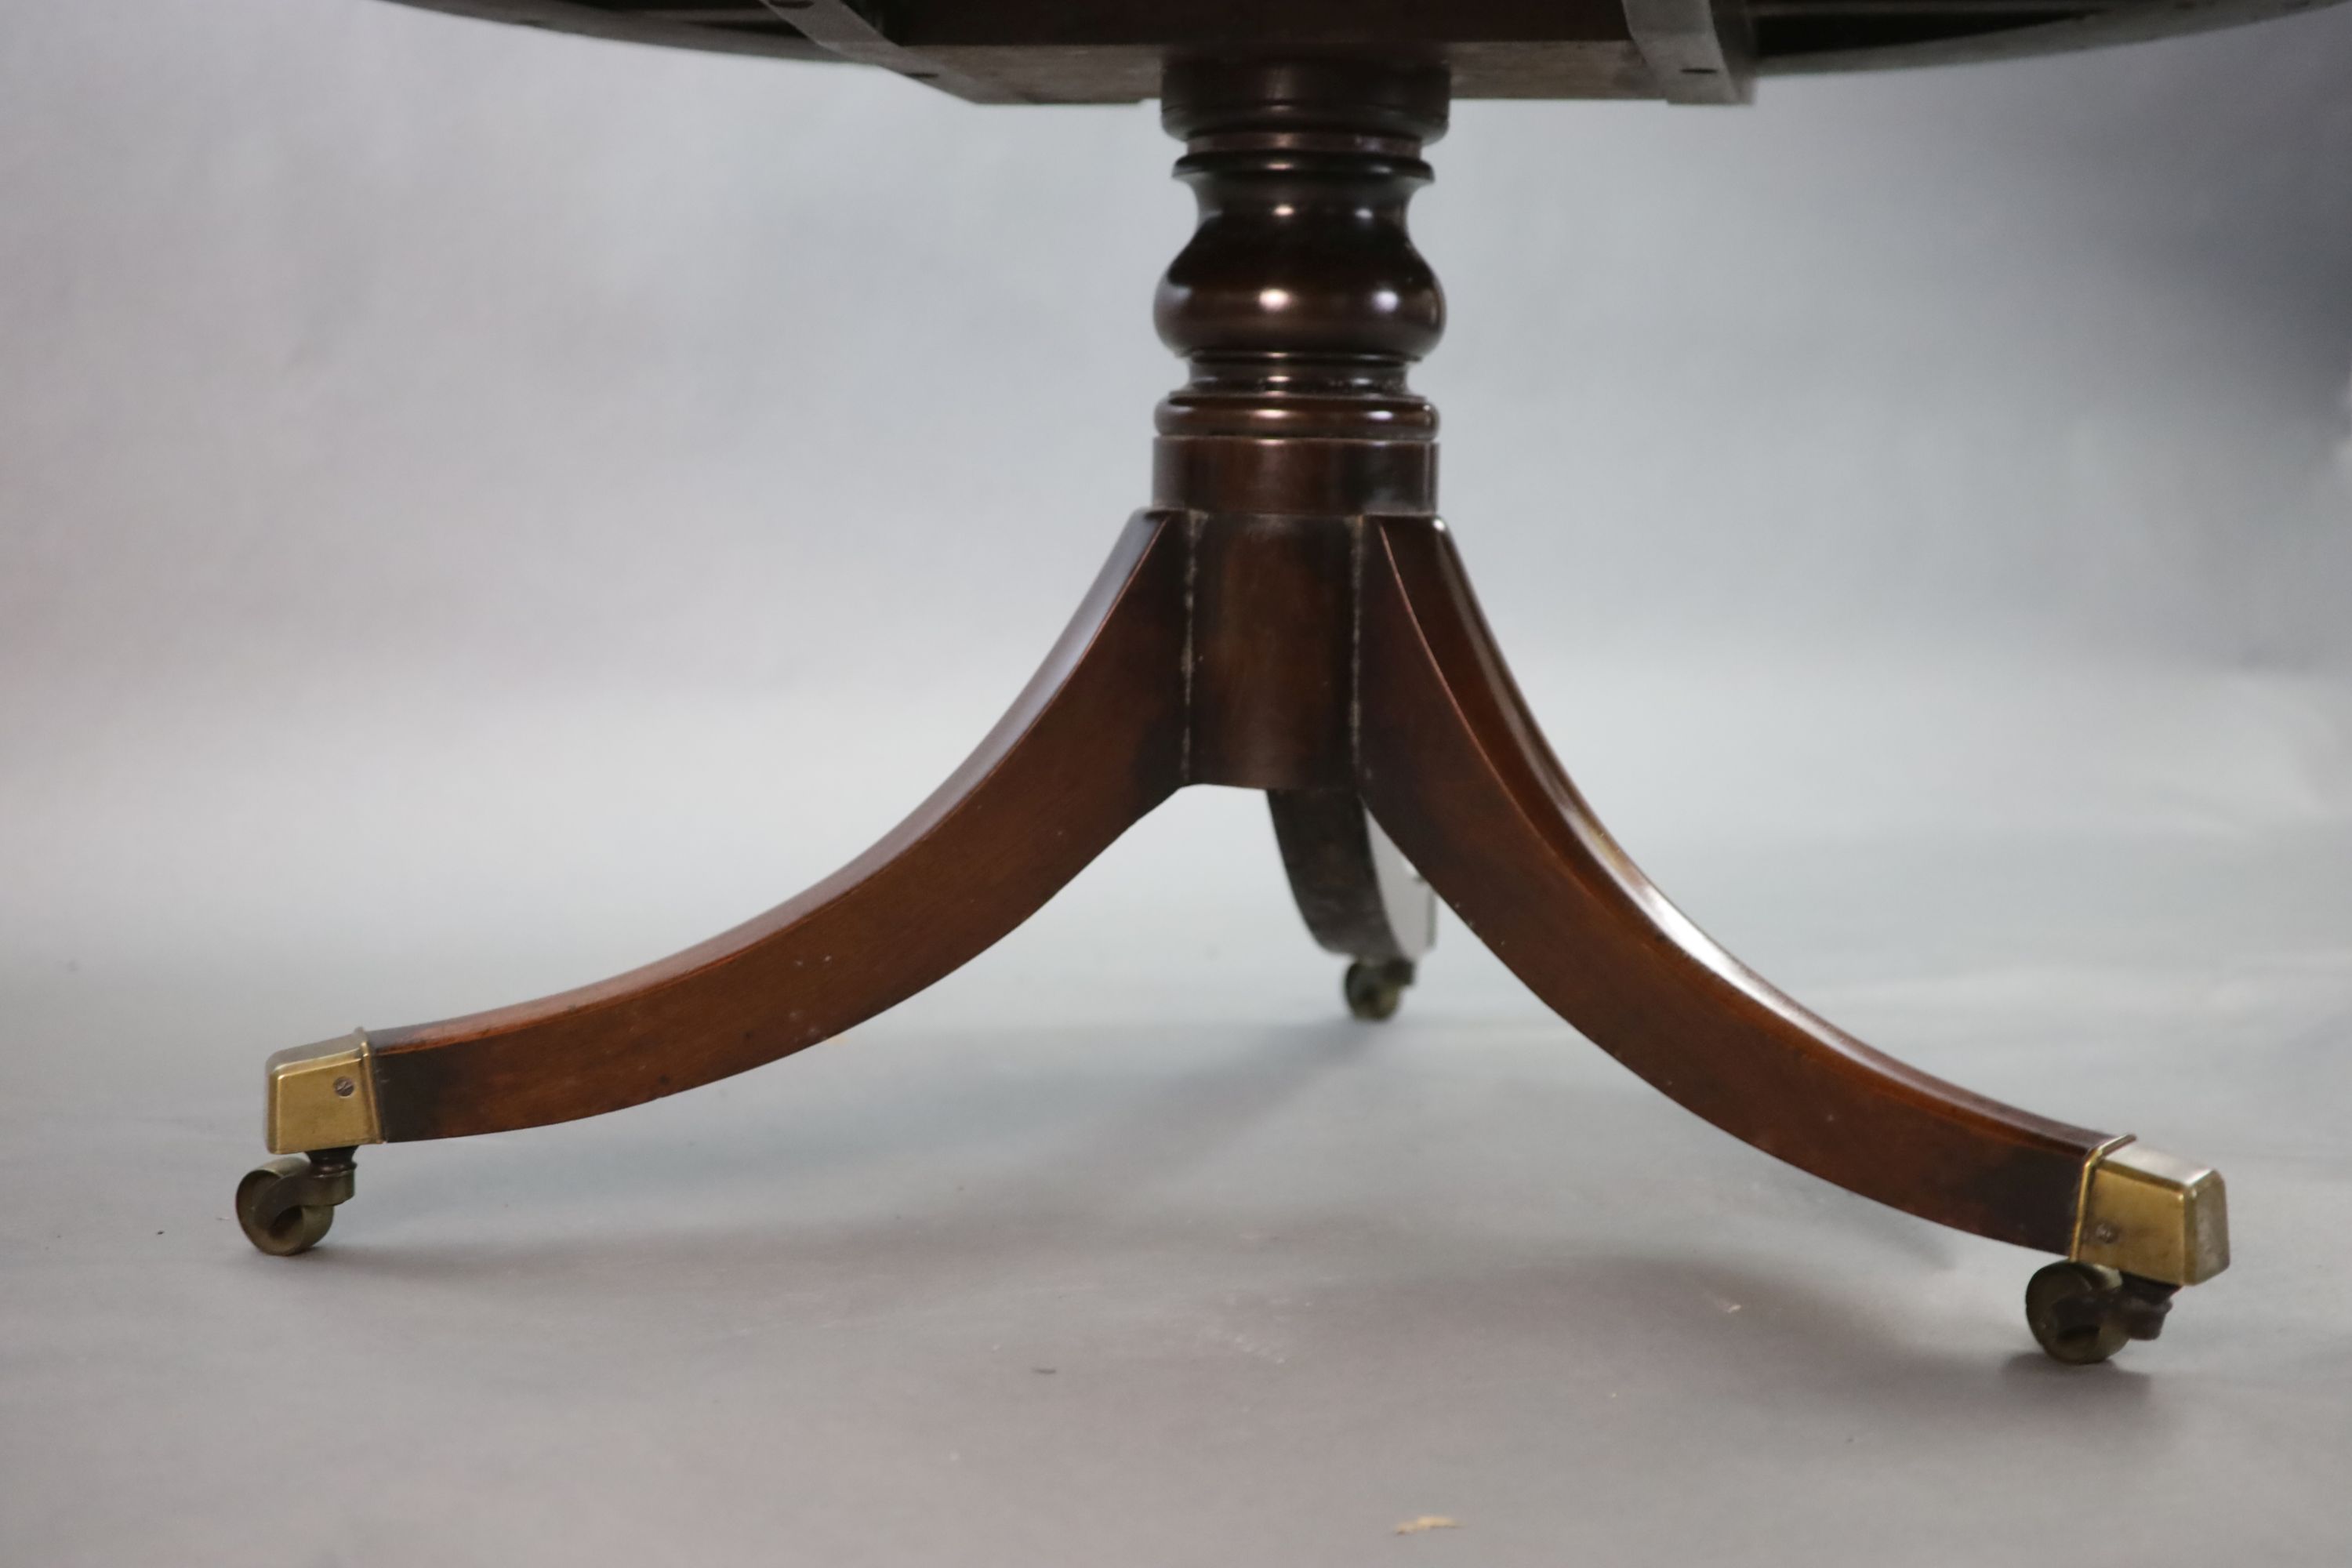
(1300, 302)
(1272, 663)
(1454, 766)
(1094, 743)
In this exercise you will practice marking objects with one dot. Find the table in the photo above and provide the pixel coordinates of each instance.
(1289, 615)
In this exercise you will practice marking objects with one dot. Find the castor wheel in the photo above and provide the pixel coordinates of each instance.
(1375, 986)
(2082, 1313)
(287, 1205)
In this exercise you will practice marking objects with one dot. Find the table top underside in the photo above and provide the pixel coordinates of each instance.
(1111, 51)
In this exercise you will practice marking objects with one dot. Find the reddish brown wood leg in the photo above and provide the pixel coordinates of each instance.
(1092, 745)
(1355, 893)
(1455, 770)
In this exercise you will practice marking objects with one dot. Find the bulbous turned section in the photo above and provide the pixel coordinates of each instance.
(1301, 300)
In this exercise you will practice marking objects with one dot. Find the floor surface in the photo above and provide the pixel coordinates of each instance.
(1156, 1259)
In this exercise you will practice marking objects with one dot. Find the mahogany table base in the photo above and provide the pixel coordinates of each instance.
(1290, 616)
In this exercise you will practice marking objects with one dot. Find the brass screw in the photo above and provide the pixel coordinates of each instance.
(2105, 1232)
(345, 1089)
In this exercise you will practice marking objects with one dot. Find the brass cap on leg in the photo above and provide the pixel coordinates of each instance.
(321, 1097)
(2147, 1214)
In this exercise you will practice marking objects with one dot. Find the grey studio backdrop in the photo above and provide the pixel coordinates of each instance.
(479, 510)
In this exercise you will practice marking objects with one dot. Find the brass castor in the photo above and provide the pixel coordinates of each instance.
(1374, 986)
(2082, 1313)
(287, 1205)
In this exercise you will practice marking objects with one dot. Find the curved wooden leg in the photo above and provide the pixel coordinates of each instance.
(1094, 743)
(1454, 767)
(1359, 896)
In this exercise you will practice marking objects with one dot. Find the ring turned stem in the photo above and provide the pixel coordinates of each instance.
(1300, 302)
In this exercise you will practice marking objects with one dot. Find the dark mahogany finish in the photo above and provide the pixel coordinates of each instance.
(1094, 743)
(1299, 305)
(1107, 51)
(1301, 301)
(1353, 902)
(1455, 768)
(1290, 617)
